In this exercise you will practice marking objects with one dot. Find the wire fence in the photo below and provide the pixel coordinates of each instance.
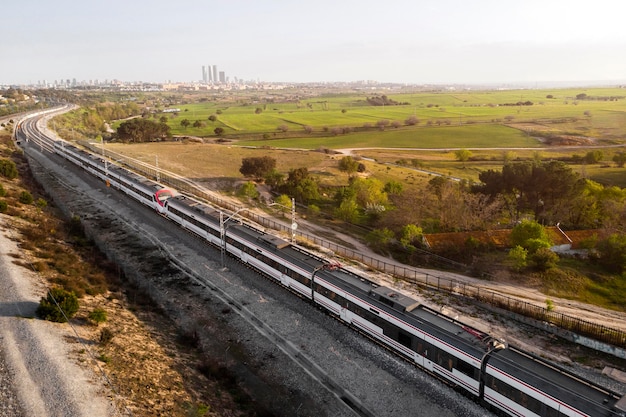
(592, 330)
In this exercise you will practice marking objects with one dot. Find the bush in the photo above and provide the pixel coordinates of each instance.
(97, 316)
(106, 336)
(26, 197)
(58, 306)
(518, 257)
(544, 259)
(3, 192)
(3, 206)
(8, 169)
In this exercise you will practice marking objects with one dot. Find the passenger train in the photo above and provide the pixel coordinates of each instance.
(509, 381)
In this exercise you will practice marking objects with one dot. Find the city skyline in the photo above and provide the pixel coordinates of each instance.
(402, 41)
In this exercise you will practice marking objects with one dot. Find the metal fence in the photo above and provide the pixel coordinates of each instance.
(592, 330)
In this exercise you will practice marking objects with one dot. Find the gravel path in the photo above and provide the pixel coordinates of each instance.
(37, 378)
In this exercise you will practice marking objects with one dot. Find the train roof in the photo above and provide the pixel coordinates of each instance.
(554, 381)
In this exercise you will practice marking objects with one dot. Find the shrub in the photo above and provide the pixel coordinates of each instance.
(544, 259)
(97, 316)
(8, 169)
(106, 336)
(26, 197)
(58, 306)
(3, 206)
(3, 192)
(518, 257)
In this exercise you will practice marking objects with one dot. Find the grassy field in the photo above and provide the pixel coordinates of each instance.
(470, 119)
(447, 120)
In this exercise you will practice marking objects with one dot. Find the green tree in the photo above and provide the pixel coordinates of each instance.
(348, 211)
(519, 258)
(393, 187)
(380, 239)
(529, 235)
(248, 190)
(284, 203)
(219, 131)
(593, 157)
(185, 123)
(411, 236)
(212, 118)
(462, 155)
(612, 253)
(620, 159)
(142, 130)
(257, 167)
(348, 165)
(58, 305)
(544, 259)
(198, 124)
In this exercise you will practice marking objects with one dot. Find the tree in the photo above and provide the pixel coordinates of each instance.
(212, 118)
(411, 121)
(382, 124)
(219, 131)
(519, 258)
(544, 259)
(462, 155)
(163, 119)
(308, 129)
(593, 157)
(258, 110)
(620, 159)
(348, 165)
(185, 123)
(142, 130)
(411, 236)
(198, 124)
(612, 253)
(530, 235)
(284, 203)
(257, 167)
(393, 187)
(283, 128)
(248, 190)
(379, 239)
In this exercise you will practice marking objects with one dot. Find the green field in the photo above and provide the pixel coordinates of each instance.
(446, 119)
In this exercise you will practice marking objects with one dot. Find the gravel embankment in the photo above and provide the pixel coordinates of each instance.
(37, 377)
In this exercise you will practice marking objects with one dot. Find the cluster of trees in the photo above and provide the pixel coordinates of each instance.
(384, 101)
(528, 194)
(142, 130)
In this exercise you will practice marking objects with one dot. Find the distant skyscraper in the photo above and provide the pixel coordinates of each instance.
(209, 76)
(204, 74)
(222, 77)
(215, 74)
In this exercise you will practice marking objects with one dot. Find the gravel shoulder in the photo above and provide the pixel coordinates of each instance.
(38, 378)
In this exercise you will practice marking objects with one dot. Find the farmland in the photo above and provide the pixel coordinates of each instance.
(428, 127)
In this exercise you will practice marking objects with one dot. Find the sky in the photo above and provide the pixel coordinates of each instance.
(400, 41)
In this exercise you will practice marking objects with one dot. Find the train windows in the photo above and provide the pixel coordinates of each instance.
(466, 368)
(404, 339)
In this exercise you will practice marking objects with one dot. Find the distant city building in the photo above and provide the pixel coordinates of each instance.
(204, 74)
(215, 74)
(222, 77)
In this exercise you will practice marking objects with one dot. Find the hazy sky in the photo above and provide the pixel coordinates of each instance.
(413, 41)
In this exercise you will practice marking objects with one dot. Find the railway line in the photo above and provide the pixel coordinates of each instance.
(510, 381)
